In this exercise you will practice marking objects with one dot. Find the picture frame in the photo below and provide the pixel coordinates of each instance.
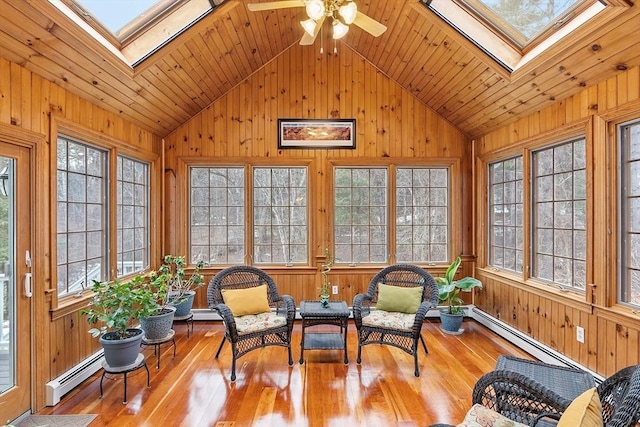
(316, 133)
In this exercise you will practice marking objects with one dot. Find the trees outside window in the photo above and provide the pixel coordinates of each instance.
(82, 216)
(629, 228)
(132, 204)
(506, 217)
(559, 214)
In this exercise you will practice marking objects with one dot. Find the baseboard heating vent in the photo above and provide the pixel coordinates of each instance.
(60, 386)
(521, 340)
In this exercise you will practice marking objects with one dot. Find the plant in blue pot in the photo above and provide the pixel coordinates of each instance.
(452, 314)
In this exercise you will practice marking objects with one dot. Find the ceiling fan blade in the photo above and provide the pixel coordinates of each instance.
(307, 39)
(370, 25)
(270, 5)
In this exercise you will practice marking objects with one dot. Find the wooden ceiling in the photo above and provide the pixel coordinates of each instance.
(418, 51)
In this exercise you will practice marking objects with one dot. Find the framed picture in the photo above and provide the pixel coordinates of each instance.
(316, 133)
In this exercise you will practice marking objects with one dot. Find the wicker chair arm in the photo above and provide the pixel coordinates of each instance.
(361, 307)
(548, 418)
(421, 313)
(227, 317)
(287, 307)
(516, 396)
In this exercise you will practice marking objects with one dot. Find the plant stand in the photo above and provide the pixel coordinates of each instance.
(158, 342)
(188, 319)
(139, 363)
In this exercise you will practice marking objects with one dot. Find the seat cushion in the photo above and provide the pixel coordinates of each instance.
(584, 411)
(480, 416)
(389, 320)
(398, 298)
(259, 322)
(246, 301)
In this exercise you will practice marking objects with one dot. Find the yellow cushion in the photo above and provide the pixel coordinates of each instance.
(584, 411)
(246, 301)
(397, 298)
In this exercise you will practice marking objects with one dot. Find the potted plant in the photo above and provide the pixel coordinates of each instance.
(157, 324)
(452, 315)
(181, 289)
(116, 304)
(326, 284)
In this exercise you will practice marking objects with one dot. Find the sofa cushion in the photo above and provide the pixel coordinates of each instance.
(584, 411)
(481, 416)
(246, 301)
(385, 319)
(259, 322)
(398, 298)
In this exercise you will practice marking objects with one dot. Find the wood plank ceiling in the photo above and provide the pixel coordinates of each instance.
(418, 51)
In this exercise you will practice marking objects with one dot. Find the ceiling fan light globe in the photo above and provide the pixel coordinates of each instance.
(315, 9)
(348, 12)
(309, 26)
(339, 29)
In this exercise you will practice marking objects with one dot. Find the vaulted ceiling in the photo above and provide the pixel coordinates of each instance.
(419, 51)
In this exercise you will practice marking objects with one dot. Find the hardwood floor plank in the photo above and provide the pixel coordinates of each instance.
(194, 388)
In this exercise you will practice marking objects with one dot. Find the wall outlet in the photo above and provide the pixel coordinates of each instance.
(580, 334)
(334, 289)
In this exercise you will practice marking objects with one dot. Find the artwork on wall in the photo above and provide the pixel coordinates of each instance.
(316, 133)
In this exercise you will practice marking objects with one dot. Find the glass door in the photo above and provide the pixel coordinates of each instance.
(15, 282)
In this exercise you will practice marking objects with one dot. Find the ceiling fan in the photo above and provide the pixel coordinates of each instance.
(342, 13)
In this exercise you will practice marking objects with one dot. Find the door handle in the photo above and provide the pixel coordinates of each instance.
(27, 285)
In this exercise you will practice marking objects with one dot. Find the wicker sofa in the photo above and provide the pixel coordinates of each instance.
(520, 399)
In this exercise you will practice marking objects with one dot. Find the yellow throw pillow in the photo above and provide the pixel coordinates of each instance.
(584, 411)
(246, 301)
(397, 298)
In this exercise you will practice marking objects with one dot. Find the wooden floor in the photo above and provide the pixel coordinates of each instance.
(194, 388)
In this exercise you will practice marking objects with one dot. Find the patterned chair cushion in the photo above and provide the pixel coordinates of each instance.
(481, 416)
(390, 320)
(259, 322)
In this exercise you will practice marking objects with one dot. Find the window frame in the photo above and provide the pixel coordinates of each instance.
(455, 201)
(113, 147)
(183, 167)
(532, 210)
(489, 222)
(619, 186)
(579, 128)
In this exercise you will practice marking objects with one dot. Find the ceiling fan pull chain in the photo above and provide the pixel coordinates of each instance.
(335, 47)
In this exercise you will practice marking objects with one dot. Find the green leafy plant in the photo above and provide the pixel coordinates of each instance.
(178, 283)
(326, 268)
(117, 303)
(448, 288)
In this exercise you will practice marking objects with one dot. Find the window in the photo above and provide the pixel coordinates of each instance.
(422, 217)
(133, 216)
(217, 215)
(506, 214)
(360, 216)
(421, 212)
(629, 229)
(81, 215)
(280, 215)
(279, 220)
(559, 214)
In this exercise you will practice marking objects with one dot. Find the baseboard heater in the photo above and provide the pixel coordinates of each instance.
(60, 386)
(523, 341)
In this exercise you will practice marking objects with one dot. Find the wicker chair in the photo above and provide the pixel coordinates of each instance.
(244, 277)
(403, 275)
(523, 399)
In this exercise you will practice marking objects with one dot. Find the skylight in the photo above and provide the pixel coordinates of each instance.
(515, 31)
(523, 21)
(137, 28)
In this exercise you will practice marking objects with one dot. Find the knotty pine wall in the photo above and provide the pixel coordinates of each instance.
(34, 108)
(301, 83)
(612, 333)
